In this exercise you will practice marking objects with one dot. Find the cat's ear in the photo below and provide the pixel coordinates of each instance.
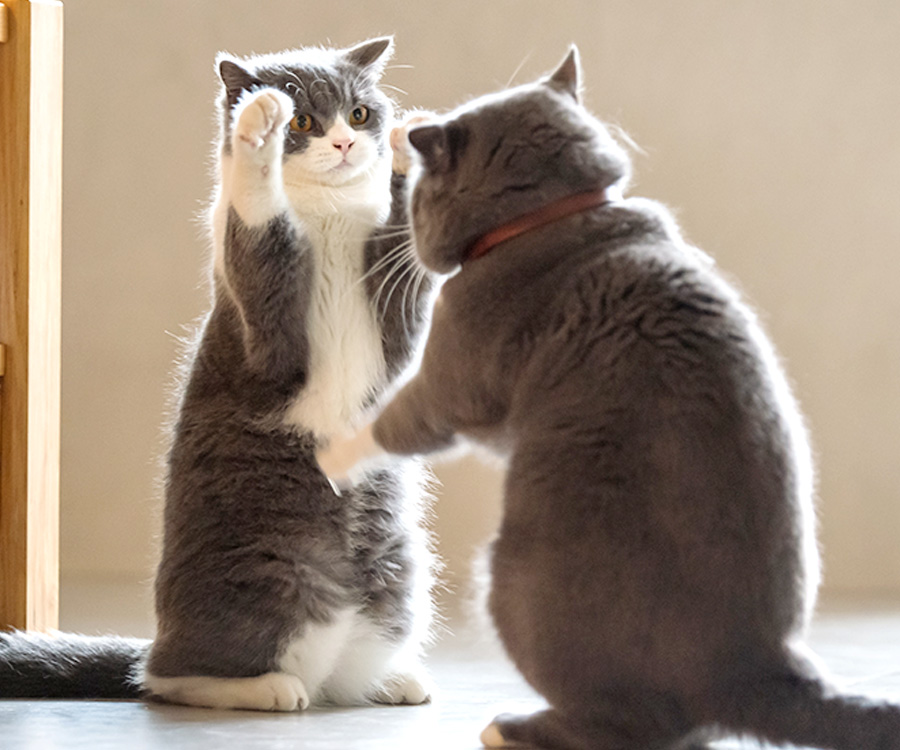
(372, 55)
(235, 78)
(431, 143)
(567, 77)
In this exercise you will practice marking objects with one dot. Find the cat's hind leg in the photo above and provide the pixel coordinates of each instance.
(373, 670)
(274, 691)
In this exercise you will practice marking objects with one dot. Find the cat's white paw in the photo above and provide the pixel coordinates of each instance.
(273, 691)
(491, 737)
(346, 453)
(400, 145)
(405, 689)
(260, 118)
(289, 693)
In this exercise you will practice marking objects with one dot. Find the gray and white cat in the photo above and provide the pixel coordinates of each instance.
(274, 592)
(655, 568)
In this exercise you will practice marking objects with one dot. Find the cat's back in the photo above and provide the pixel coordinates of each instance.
(651, 310)
(649, 351)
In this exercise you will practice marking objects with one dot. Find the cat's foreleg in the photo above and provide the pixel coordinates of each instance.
(265, 252)
(398, 285)
(254, 181)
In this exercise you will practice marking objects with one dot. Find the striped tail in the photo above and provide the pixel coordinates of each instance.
(63, 665)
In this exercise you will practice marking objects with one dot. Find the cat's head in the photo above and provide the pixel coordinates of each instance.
(341, 117)
(504, 155)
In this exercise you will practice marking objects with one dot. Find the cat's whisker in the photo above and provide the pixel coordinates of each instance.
(518, 70)
(377, 301)
(391, 235)
(393, 230)
(389, 257)
(413, 285)
(300, 85)
(394, 88)
(397, 282)
(400, 270)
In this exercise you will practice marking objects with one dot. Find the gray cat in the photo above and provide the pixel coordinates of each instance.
(655, 569)
(272, 591)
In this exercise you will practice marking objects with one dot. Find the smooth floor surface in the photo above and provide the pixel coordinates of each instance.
(861, 644)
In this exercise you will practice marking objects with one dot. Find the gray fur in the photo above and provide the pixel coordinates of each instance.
(654, 571)
(256, 543)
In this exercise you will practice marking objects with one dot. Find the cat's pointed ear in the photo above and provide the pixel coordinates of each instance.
(431, 143)
(567, 77)
(372, 55)
(236, 79)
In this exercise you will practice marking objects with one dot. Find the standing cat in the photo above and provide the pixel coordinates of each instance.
(272, 591)
(655, 568)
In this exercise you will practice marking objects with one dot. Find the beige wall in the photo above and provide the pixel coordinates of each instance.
(772, 127)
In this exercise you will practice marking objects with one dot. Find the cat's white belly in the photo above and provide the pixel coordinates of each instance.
(346, 356)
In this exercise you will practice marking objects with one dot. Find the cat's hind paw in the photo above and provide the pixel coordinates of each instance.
(260, 118)
(405, 689)
(400, 145)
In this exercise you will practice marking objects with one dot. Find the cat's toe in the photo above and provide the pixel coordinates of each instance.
(289, 693)
(491, 737)
(405, 689)
(262, 116)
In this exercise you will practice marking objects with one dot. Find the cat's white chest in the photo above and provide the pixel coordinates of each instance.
(346, 356)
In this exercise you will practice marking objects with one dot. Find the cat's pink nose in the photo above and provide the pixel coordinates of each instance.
(343, 144)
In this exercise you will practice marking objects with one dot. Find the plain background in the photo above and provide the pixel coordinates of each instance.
(771, 127)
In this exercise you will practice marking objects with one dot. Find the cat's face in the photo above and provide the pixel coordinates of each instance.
(502, 156)
(340, 115)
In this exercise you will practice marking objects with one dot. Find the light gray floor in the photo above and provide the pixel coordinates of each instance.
(859, 643)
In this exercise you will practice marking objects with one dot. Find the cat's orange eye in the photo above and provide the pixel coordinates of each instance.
(302, 123)
(359, 115)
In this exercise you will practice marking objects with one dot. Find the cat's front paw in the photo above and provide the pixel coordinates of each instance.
(403, 151)
(344, 455)
(260, 118)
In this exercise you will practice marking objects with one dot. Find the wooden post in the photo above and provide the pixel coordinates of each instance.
(30, 243)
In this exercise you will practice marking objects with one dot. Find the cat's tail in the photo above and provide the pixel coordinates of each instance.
(62, 665)
(805, 710)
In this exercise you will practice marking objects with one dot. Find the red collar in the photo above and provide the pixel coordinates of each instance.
(559, 209)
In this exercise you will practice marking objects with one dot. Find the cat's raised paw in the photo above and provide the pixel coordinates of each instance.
(404, 689)
(400, 142)
(260, 118)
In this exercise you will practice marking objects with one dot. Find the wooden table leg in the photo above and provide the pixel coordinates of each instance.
(30, 250)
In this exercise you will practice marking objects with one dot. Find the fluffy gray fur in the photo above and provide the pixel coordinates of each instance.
(257, 546)
(655, 569)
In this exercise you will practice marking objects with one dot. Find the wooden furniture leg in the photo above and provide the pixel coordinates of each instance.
(30, 242)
